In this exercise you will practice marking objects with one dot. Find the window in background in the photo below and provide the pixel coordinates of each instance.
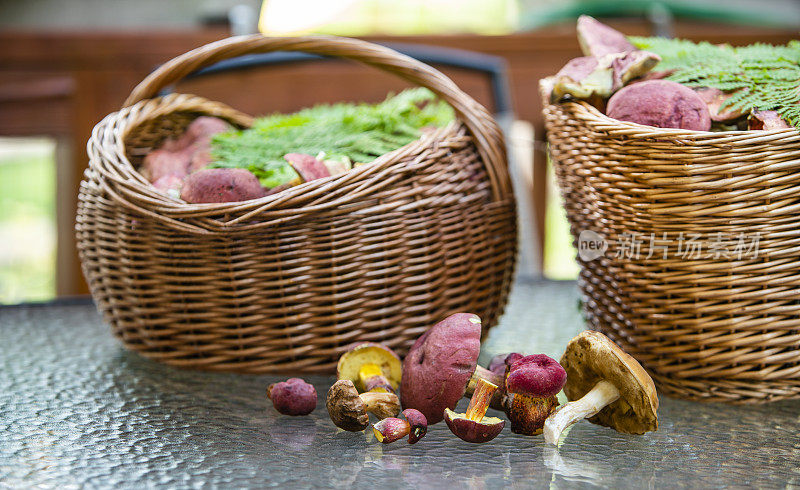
(559, 254)
(27, 219)
(364, 17)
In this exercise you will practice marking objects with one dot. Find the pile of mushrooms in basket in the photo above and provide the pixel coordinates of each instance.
(400, 399)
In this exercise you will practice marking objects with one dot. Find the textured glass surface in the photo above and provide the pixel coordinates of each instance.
(76, 410)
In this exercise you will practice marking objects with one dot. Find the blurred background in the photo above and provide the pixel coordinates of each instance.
(65, 64)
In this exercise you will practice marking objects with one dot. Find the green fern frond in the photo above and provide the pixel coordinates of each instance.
(760, 76)
(358, 132)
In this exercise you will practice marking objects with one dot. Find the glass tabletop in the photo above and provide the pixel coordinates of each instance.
(77, 410)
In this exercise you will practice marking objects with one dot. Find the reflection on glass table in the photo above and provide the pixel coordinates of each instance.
(77, 410)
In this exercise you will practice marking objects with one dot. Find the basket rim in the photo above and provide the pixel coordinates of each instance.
(122, 181)
(594, 117)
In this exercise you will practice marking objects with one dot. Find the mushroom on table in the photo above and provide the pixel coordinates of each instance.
(350, 411)
(532, 384)
(391, 429)
(607, 386)
(474, 426)
(293, 396)
(371, 367)
(442, 364)
(439, 365)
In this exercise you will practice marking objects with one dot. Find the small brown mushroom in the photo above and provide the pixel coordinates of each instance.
(607, 386)
(371, 367)
(350, 411)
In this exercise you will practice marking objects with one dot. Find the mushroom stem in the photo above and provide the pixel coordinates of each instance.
(603, 394)
(381, 404)
(495, 379)
(482, 373)
(480, 400)
(372, 378)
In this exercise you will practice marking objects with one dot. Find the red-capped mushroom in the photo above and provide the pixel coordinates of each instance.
(392, 429)
(660, 103)
(531, 386)
(441, 364)
(307, 166)
(293, 397)
(598, 40)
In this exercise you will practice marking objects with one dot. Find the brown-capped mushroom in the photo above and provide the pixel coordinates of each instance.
(474, 426)
(392, 429)
(441, 364)
(350, 411)
(607, 386)
(371, 367)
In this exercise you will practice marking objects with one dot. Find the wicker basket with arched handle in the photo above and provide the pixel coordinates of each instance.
(715, 319)
(287, 282)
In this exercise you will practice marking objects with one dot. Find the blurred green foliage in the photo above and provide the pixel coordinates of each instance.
(27, 222)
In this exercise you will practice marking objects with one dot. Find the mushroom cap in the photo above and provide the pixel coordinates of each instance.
(715, 99)
(660, 103)
(439, 365)
(591, 357)
(473, 430)
(345, 407)
(537, 375)
(370, 353)
(418, 423)
(293, 396)
(597, 39)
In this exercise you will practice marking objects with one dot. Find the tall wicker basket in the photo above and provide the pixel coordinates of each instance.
(721, 323)
(287, 282)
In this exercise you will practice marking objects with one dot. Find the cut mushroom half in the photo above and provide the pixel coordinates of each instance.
(605, 385)
(474, 426)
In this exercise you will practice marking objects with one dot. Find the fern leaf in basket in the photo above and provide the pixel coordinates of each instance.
(760, 76)
(354, 132)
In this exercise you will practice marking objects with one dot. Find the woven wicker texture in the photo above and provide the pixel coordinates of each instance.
(287, 282)
(714, 324)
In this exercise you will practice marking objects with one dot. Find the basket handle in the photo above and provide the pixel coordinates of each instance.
(488, 137)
